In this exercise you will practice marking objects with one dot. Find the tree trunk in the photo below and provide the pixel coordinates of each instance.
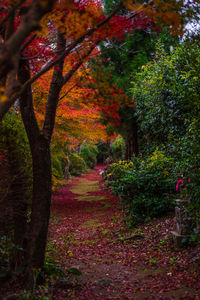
(131, 141)
(19, 206)
(41, 198)
(41, 159)
(40, 148)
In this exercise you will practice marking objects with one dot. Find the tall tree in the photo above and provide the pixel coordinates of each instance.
(40, 139)
(70, 27)
(122, 58)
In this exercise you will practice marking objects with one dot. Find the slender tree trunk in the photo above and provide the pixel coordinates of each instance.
(41, 160)
(41, 198)
(40, 209)
(131, 141)
(19, 206)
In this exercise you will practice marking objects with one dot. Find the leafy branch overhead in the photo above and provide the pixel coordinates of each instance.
(88, 21)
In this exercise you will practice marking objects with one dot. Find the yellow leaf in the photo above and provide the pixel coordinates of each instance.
(3, 98)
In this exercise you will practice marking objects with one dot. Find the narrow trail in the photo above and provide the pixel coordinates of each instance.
(87, 235)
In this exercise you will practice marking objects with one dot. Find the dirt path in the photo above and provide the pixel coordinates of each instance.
(87, 237)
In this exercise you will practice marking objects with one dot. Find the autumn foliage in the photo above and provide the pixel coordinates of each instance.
(45, 47)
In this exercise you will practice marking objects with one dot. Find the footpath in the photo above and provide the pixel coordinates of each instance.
(106, 260)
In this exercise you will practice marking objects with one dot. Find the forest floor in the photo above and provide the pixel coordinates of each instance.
(104, 259)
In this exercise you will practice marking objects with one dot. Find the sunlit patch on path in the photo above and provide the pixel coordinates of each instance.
(88, 235)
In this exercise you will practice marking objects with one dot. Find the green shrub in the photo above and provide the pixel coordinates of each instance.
(146, 186)
(58, 179)
(15, 185)
(166, 94)
(15, 145)
(77, 164)
(17, 162)
(118, 149)
(89, 154)
(58, 162)
(57, 169)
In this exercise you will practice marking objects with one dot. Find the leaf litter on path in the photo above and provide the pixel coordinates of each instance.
(90, 236)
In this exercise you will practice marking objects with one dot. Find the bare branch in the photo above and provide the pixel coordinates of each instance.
(73, 45)
(68, 91)
(28, 42)
(37, 55)
(5, 52)
(11, 11)
(30, 22)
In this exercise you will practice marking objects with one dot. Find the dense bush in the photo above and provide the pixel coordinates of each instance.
(89, 154)
(57, 170)
(77, 164)
(58, 162)
(14, 143)
(146, 186)
(166, 92)
(15, 186)
(17, 156)
(118, 149)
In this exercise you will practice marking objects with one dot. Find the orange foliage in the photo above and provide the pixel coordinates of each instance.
(75, 18)
(76, 121)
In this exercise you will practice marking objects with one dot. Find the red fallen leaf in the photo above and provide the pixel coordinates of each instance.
(129, 257)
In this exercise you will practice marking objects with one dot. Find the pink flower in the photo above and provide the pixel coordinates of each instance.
(178, 183)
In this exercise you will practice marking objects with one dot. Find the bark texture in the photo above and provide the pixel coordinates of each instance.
(41, 199)
(41, 159)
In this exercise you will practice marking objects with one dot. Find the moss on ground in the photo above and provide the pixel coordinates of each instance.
(91, 223)
(85, 186)
(90, 198)
(90, 242)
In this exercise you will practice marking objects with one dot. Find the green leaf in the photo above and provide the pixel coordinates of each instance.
(74, 271)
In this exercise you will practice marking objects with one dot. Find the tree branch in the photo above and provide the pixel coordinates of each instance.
(28, 42)
(30, 23)
(6, 64)
(67, 77)
(11, 11)
(73, 45)
(68, 91)
(54, 91)
(26, 105)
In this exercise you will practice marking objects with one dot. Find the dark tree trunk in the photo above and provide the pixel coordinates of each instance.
(41, 159)
(131, 141)
(40, 148)
(41, 198)
(19, 207)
